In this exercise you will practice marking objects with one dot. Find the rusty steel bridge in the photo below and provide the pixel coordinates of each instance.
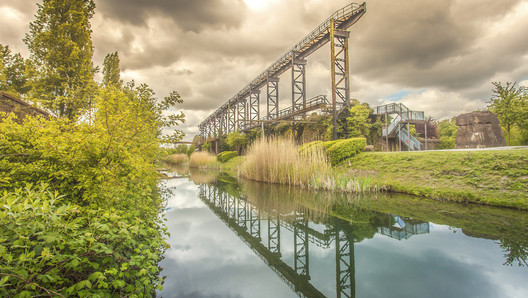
(242, 111)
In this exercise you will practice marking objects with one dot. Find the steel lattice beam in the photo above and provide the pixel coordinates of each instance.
(298, 83)
(242, 113)
(254, 105)
(301, 244)
(345, 271)
(272, 97)
(274, 234)
(337, 23)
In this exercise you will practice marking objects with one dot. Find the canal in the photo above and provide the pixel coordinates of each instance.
(247, 239)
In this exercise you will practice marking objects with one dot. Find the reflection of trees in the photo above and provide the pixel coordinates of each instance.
(200, 176)
(515, 251)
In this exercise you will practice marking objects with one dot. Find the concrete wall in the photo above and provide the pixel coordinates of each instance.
(20, 108)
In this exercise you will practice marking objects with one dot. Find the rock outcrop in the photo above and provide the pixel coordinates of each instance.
(479, 130)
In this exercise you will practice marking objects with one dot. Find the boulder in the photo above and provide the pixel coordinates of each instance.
(479, 130)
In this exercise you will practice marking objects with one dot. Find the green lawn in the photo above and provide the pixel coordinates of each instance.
(498, 178)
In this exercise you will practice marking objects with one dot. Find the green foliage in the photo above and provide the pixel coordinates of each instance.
(14, 72)
(190, 150)
(344, 149)
(226, 155)
(104, 170)
(358, 121)
(111, 70)
(237, 140)
(143, 102)
(507, 102)
(308, 146)
(181, 149)
(61, 48)
(329, 144)
(48, 245)
(206, 146)
(447, 132)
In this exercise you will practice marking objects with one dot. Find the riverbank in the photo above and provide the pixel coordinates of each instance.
(496, 178)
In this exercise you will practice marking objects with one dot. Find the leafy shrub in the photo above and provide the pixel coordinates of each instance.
(85, 163)
(49, 246)
(308, 146)
(344, 149)
(329, 144)
(226, 155)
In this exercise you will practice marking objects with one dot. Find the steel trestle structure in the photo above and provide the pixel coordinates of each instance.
(242, 111)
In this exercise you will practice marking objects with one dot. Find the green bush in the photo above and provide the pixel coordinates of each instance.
(329, 144)
(343, 149)
(226, 155)
(49, 246)
(305, 147)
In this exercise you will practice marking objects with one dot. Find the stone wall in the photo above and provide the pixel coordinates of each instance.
(20, 108)
(479, 130)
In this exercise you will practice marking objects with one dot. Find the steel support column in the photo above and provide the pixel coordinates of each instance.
(231, 110)
(242, 113)
(274, 234)
(301, 244)
(345, 268)
(254, 222)
(242, 213)
(298, 83)
(339, 71)
(254, 106)
(272, 97)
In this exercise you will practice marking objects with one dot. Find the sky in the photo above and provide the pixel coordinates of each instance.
(435, 56)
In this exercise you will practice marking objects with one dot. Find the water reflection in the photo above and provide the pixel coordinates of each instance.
(247, 219)
(326, 245)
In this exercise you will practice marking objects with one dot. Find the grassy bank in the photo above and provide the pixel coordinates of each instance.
(498, 178)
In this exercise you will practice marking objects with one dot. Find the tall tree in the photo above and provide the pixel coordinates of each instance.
(61, 47)
(13, 72)
(506, 103)
(358, 121)
(111, 70)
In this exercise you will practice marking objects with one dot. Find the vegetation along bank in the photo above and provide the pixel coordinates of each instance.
(498, 178)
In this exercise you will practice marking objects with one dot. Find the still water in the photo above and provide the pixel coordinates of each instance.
(246, 239)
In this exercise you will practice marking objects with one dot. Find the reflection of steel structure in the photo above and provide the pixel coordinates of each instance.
(245, 220)
(403, 227)
(242, 111)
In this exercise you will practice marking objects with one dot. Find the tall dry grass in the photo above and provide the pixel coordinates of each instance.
(202, 160)
(279, 161)
(176, 159)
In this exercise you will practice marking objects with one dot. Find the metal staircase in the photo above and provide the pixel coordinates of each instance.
(396, 127)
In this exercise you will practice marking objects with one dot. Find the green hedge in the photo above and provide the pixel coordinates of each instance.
(343, 149)
(329, 144)
(305, 147)
(226, 155)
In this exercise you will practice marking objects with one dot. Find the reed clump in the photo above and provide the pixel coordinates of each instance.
(176, 159)
(202, 160)
(280, 161)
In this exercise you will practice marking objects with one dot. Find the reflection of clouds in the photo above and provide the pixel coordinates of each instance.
(440, 264)
(206, 258)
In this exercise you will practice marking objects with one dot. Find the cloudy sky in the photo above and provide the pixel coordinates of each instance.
(435, 56)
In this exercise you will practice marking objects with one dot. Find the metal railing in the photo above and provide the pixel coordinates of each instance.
(411, 142)
(282, 64)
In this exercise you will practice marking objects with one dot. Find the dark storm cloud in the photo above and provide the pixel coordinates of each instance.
(194, 15)
(433, 43)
